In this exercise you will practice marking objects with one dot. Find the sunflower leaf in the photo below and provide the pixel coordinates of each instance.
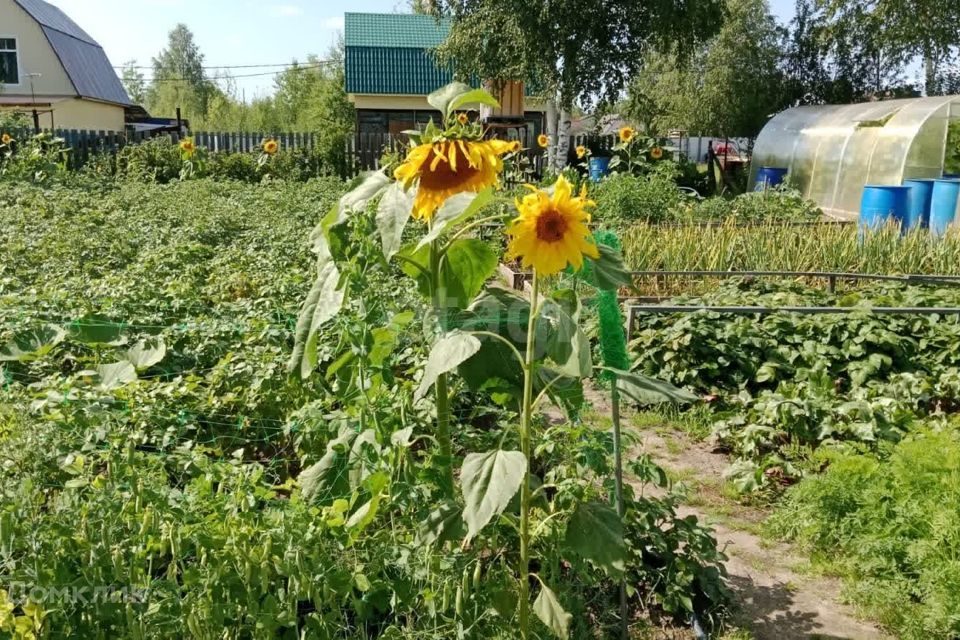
(470, 263)
(476, 96)
(552, 613)
(455, 211)
(393, 213)
(445, 356)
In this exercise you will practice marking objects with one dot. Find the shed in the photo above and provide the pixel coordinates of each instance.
(833, 151)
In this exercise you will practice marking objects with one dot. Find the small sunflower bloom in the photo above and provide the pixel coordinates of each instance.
(447, 167)
(543, 140)
(6, 138)
(656, 153)
(551, 231)
(463, 118)
(270, 147)
(581, 152)
(187, 146)
(627, 134)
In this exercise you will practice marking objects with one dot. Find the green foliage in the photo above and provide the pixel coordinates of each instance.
(786, 383)
(39, 159)
(951, 161)
(780, 204)
(624, 198)
(890, 527)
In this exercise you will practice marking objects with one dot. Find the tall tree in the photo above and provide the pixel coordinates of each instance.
(904, 28)
(179, 79)
(575, 51)
(134, 82)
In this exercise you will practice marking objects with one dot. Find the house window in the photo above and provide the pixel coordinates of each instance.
(9, 69)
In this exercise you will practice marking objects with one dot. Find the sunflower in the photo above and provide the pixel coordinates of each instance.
(656, 153)
(187, 146)
(581, 152)
(551, 231)
(463, 118)
(448, 167)
(270, 147)
(627, 134)
(543, 140)
(6, 138)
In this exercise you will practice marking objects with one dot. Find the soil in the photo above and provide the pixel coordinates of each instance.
(777, 597)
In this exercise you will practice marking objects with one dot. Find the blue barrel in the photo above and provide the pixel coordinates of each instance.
(769, 177)
(599, 167)
(882, 203)
(943, 205)
(918, 214)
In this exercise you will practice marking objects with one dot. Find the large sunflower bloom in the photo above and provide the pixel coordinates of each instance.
(270, 147)
(551, 231)
(449, 167)
(627, 134)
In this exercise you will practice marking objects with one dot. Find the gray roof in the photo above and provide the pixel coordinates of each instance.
(82, 58)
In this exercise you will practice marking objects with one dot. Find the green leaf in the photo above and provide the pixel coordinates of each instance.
(328, 477)
(445, 523)
(420, 256)
(548, 609)
(370, 186)
(323, 303)
(489, 480)
(97, 330)
(476, 96)
(595, 532)
(446, 355)
(147, 353)
(608, 272)
(395, 209)
(562, 339)
(455, 211)
(116, 374)
(645, 390)
(469, 264)
(442, 98)
(33, 344)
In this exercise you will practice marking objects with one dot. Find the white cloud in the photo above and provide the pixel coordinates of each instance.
(336, 22)
(286, 10)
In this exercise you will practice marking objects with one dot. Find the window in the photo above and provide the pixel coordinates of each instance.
(9, 69)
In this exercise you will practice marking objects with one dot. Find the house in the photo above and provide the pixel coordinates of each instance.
(51, 67)
(390, 69)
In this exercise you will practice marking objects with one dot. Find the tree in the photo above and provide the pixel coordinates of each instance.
(729, 87)
(904, 28)
(574, 51)
(134, 82)
(179, 79)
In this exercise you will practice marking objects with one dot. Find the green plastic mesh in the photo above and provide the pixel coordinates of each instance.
(613, 342)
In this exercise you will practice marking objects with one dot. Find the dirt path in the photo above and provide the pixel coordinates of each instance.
(777, 599)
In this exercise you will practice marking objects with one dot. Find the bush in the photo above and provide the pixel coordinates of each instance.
(891, 528)
(781, 204)
(624, 198)
(157, 160)
(36, 159)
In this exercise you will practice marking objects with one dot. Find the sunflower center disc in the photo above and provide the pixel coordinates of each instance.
(444, 176)
(551, 226)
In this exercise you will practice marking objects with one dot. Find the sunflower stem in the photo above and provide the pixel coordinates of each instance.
(440, 387)
(523, 569)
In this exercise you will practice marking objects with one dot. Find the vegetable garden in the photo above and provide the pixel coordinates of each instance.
(217, 424)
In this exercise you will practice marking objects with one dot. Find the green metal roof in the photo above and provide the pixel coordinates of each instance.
(406, 30)
(391, 53)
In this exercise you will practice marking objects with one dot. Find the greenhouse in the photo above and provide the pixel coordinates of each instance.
(833, 151)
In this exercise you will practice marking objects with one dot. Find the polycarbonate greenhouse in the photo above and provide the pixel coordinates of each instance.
(833, 151)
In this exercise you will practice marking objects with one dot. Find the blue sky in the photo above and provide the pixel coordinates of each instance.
(233, 32)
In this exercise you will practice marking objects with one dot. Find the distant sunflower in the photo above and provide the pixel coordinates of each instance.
(551, 230)
(6, 138)
(627, 134)
(187, 146)
(463, 118)
(581, 152)
(448, 167)
(270, 147)
(543, 140)
(656, 153)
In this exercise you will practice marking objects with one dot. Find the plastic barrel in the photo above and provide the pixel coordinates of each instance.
(918, 214)
(599, 167)
(769, 177)
(882, 203)
(943, 205)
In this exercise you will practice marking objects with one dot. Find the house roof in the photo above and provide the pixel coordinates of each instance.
(82, 58)
(390, 53)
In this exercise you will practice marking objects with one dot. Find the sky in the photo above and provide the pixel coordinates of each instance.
(234, 32)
